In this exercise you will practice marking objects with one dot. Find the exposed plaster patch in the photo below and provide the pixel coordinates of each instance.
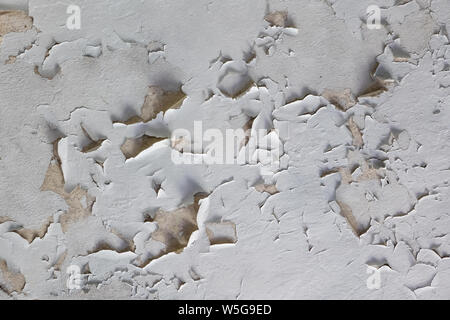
(78, 200)
(341, 99)
(158, 100)
(277, 18)
(31, 234)
(131, 148)
(10, 281)
(174, 228)
(14, 21)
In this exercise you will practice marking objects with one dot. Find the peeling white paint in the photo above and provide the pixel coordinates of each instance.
(356, 206)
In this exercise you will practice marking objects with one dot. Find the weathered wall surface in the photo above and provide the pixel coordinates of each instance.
(224, 149)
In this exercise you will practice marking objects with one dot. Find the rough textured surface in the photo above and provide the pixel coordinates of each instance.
(349, 180)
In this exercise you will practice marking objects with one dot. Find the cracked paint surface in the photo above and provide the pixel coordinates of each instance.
(87, 176)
